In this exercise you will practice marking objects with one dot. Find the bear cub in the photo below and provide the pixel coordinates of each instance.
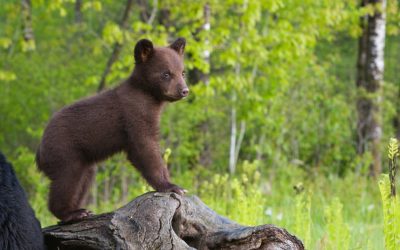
(19, 228)
(125, 118)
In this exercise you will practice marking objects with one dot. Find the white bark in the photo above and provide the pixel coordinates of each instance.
(370, 68)
(240, 140)
(232, 149)
(153, 12)
(377, 42)
(207, 28)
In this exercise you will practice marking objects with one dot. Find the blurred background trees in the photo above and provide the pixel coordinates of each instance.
(276, 87)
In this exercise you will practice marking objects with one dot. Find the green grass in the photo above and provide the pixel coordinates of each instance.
(328, 212)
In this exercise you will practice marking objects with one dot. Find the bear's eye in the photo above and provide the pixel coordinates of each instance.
(166, 75)
(183, 74)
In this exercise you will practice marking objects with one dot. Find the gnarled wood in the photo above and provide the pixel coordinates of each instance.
(166, 221)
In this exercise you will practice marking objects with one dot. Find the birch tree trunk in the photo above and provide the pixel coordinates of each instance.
(370, 66)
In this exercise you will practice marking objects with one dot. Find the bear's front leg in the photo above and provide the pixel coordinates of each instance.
(144, 153)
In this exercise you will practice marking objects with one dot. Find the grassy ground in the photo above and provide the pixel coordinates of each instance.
(326, 212)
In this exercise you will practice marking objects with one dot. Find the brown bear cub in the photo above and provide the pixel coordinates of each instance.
(125, 118)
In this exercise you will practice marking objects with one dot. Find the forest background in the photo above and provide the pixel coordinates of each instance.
(273, 129)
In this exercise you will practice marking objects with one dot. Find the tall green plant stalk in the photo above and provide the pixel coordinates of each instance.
(338, 231)
(393, 154)
(302, 226)
(390, 202)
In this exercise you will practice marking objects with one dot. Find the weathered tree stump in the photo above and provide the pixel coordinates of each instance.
(166, 221)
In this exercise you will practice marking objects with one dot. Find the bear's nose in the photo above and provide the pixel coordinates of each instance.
(185, 92)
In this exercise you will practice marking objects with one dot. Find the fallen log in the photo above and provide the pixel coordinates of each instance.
(166, 221)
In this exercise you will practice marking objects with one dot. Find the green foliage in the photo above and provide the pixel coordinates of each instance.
(391, 214)
(390, 201)
(29, 176)
(274, 69)
(7, 76)
(303, 217)
(242, 193)
(286, 67)
(338, 232)
(393, 149)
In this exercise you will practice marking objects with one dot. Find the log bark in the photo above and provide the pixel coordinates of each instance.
(166, 221)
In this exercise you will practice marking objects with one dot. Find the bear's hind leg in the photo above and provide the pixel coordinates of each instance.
(88, 177)
(67, 192)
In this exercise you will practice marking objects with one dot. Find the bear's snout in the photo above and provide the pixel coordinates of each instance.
(184, 92)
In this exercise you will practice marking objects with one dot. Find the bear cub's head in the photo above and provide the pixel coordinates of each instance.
(161, 69)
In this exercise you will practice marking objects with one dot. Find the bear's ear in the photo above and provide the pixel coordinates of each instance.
(143, 50)
(179, 45)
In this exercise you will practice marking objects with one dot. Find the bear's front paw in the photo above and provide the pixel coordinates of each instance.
(172, 188)
(76, 215)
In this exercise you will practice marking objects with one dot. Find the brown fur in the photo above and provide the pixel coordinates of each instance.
(125, 118)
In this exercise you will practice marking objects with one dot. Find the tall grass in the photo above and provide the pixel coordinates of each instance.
(338, 231)
(302, 226)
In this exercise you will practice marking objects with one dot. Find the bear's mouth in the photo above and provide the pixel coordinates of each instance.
(173, 98)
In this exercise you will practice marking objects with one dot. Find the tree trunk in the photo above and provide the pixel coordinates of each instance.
(124, 185)
(396, 119)
(78, 11)
(166, 221)
(240, 140)
(145, 15)
(27, 30)
(232, 146)
(197, 76)
(370, 66)
(117, 46)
